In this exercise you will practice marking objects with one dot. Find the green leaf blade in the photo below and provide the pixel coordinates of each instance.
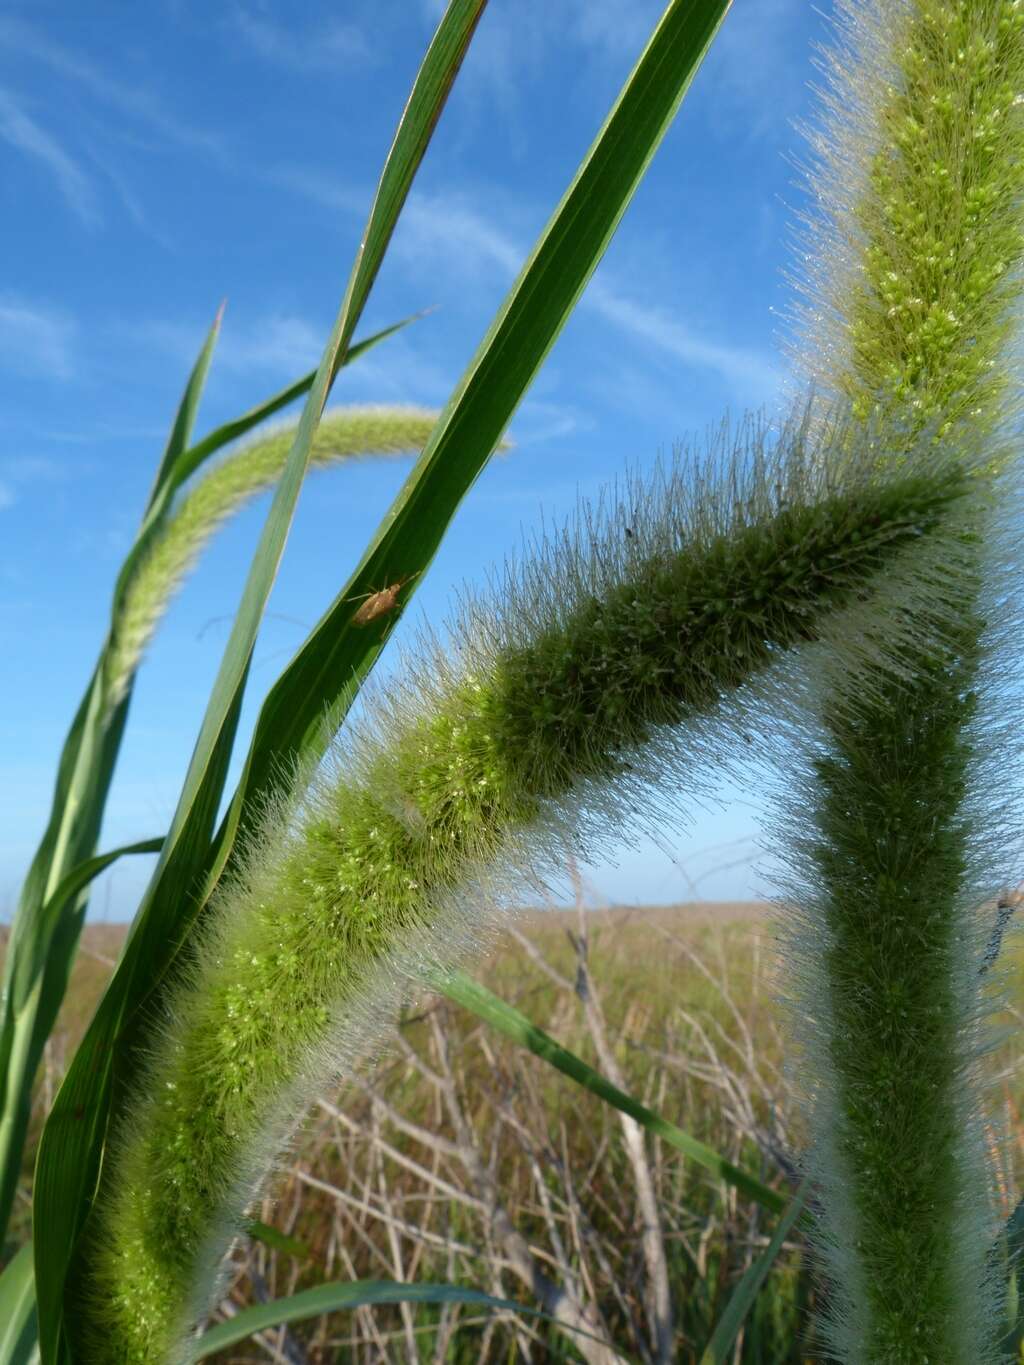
(742, 1300)
(471, 995)
(71, 1147)
(333, 1298)
(18, 1326)
(33, 994)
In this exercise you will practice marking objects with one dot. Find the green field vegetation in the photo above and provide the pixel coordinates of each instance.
(382, 1183)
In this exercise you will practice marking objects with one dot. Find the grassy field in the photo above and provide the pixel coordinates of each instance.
(459, 1157)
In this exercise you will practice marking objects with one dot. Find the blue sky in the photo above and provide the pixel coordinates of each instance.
(157, 158)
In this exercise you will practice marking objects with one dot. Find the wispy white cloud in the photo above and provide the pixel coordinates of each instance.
(757, 66)
(280, 347)
(748, 371)
(539, 422)
(439, 228)
(19, 471)
(613, 27)
(323, 188)
(277, 344)
(431, 228)
(36, 340)
(130, 199)
(34, 468)
(327, 47)
(27, 137)
(24, 40)
(444, 227)
(445, 232)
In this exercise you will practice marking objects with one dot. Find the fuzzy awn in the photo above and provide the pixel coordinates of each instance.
(912, 270)
(549, 711)
(343, 434)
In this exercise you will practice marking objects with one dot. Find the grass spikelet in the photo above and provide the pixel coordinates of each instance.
(547, 714)
(343, 434)
(909, 261)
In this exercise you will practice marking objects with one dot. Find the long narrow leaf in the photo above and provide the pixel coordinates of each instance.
(40, 955)
(727, 1329)
(1008, 1251)
(333, 1298)
(18, 1327)
(67, 891)
(181, 431)
(279, 1241)
(71, 1145)
(464, 991)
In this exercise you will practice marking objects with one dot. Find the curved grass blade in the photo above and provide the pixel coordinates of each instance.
(278, 1241)
(18, 1327)
(464, 991)
(333, 1298)
(1009, 1251)
(328, 670)
(68, 891)
(31, 1000)
(184, 421)
(30, 1008)
(727, 1329)
(71, 1146)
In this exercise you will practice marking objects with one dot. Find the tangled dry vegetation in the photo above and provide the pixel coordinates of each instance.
(461, 1158)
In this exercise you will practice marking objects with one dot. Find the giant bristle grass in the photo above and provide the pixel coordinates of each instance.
(552, 709)
(911, 270)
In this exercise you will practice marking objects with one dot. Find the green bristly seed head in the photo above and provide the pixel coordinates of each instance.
(912, 283)
(636, 621)
(912, 266)
(343, 434)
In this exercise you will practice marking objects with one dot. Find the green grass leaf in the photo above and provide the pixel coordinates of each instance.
(464, 991)
(1008, 1251)
(727, 1329)
(279, 1241)
(333, 1298)
(47, 940)
(185, 418)
(68, 890)
(41, 949)
(71, 1146)
(18, 1327)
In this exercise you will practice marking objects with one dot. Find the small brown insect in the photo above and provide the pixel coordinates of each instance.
(380, 603)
